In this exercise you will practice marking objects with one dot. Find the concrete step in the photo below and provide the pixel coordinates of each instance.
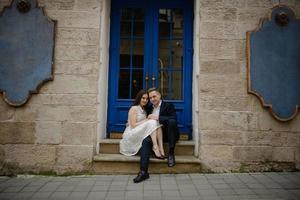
(111, 146)
(120, 164)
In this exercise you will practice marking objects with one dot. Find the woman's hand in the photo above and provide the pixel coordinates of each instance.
(152, 116)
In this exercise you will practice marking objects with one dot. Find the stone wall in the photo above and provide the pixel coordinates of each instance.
(236, 133)
(55, 132)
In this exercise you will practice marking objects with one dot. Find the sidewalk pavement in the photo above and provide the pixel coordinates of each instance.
(229, 186)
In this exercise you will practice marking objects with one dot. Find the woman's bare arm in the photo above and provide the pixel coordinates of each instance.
(132, 117)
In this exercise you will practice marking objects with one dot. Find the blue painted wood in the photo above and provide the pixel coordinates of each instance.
(26, 52)
(274, 74)
(118, 108)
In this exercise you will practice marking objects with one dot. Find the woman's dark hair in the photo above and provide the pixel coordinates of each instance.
(139, 97)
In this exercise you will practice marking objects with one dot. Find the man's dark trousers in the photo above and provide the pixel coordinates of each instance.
(145, 153)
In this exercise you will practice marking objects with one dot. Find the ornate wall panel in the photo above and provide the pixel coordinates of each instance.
(273, 52)
(26, 50)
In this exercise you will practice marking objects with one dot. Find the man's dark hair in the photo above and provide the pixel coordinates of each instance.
(138, 97)
(153, 89)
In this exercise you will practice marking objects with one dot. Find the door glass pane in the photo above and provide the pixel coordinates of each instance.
(177, 53)
(125, 53)
(171, 23)
(177, 20)
(165, 22)
(131, 52)
(124, 84)
(137, 82)
(138, 27)
(170, 56)
(132, 22)
(170, 83)
(164, 53)
(138, 54)
(126, 16)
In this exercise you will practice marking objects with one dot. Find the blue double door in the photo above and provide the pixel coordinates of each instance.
(150, 46)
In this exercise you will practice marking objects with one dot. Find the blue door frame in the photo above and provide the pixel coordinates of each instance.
(118, 107)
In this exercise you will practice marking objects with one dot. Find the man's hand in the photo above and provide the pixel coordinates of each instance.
(152, 116)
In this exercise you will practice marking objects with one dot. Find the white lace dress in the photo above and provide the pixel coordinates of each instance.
(133, 137)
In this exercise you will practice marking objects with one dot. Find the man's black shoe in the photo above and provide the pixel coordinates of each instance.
(142, 175)
(171, 160)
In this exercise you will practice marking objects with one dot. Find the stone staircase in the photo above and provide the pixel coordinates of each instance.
(110, 161)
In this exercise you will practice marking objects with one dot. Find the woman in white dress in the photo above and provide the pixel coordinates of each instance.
(139, 127)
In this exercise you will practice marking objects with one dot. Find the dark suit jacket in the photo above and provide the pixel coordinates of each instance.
(167, 112)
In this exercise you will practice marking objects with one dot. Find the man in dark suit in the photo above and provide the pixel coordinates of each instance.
(165, 113)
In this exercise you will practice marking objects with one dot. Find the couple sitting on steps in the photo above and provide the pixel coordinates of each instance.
(148, 126)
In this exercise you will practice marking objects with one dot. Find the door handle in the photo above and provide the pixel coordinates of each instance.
(161, 75)
(147, 79)
(153, 80)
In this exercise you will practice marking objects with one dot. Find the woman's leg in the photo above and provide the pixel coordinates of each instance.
(160, 142)
(155, 145)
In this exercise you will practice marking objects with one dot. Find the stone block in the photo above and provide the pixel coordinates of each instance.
(230, 30)
(265, 138)
(261, 3)
(60, 113)
(253, 15)
(212, 30)
(219, 137)
(79, 19)
(284, 154)
(235, 3)
(265, 120)
(219, 166)
(212, 85)
(88, 5)
(239, 121)
(240, 46)
(53, 113)
(295, 123)
(17, 132)
(27, 113)
(78, 133)
(244, 27)
(218, 14)
(6, 112)
(82, 114)
(76, 67)
(48, 132)
(57, 4)
(73, 158)
(65, 99)
(71, 84)
(210, 121)
(235, 86)
(297, 155)
(211, 3)
(268, 122)
(73, 36)
(30, 158)
(76, 53)
(218, 49)
(252, 153)
(293, 139)
(216, 152)
(220, 67)
(2, 158)
(209, 103)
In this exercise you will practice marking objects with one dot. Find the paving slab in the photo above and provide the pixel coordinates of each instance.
(194, 186)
